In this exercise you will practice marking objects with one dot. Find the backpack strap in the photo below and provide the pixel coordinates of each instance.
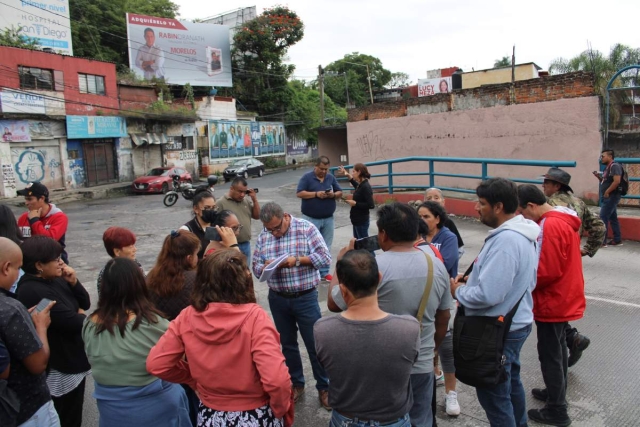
(427, 290)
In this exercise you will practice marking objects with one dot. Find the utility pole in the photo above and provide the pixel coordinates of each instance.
(321, 89)
(369, 78)
(346, 85)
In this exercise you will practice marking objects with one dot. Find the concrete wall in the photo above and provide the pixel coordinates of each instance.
(566, 129)
(333, 143)
(498, 75)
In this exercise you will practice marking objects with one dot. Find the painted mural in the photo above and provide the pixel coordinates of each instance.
(37, 164)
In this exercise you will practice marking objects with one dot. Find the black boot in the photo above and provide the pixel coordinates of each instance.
(550, 417)
(540, 394)
(580, 344)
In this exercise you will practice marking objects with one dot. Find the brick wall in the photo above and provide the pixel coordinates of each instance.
(547, 88)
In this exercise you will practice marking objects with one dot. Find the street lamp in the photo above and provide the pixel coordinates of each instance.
(368, 76)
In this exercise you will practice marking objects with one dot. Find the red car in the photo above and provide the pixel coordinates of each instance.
(159, 180)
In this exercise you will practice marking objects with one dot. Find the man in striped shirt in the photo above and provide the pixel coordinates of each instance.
(293, 295)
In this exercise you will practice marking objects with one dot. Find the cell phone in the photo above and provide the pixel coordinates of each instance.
(44, 302)
(368, 243)
(328, 190)
(212, 234)
(255, 190)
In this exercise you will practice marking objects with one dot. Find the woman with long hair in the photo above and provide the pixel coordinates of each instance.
(47, 276)
(434, 215)
(118, 242)
(117, 339)
(9, 229)
(362, 199)
(232, 349)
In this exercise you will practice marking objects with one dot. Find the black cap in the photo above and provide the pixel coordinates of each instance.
(34, 189)
(559, 176)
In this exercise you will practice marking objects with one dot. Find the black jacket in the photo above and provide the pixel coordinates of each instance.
(65, 332)
(363, 196)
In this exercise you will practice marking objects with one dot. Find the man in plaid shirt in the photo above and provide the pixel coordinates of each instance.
(293, 297)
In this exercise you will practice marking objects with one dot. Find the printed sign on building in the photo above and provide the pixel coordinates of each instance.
(16, 101)
(84, 127)
(179, 52)
(45, 21)
(428, 87)
(229, 139)
(15, 131)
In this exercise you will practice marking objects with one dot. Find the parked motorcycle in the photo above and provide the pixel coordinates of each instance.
(187, 190)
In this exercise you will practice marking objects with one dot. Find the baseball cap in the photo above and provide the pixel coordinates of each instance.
(34, 189)
(559, 176)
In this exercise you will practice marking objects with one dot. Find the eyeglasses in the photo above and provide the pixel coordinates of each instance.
(276, 229)
(209, 208)
(237, 227)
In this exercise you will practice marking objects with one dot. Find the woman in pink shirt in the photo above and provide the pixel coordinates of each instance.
(233, 357)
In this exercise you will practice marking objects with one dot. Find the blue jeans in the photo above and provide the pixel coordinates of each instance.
(609, 213)
(46, 416)
(505, 404)
(361, 231)
(245, 248)
(338, 420)
(421, 413)
(289, 315)
(325, 226)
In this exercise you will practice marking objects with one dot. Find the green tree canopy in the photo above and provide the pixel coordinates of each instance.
(12, 37)
(505, 61)
(399, 79)
(260, 47)
(354, 65)
(99, 27)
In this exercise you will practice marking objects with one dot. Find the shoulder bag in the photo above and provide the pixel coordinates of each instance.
(427, 289)
(478, 346)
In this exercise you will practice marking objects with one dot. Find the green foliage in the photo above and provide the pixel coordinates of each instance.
(357, 78)
(274, 162)
(187, 93)
(12, 37)
(399, 79)
(505, 61)
(92, 20)
(260, 47)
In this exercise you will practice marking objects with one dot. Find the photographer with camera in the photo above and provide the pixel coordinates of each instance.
(245, 208)
(204, 213)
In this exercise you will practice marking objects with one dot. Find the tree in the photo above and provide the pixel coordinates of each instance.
(12, 37)
(354, 64)
(399, 79)
(99, 27)
(260, 47)
(303, 114)
(505, 61)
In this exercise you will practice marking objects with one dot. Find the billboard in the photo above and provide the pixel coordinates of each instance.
(428, 87)
(179, 52)
(82, 127)
(15, 131)
(45, 21)
(16, 101)
(228, 139)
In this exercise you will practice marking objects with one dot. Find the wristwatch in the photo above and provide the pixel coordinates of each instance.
(297, 261)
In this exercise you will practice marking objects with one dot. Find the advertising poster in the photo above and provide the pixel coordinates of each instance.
(428, 87)
(45, 21)
(15, 101)
(15, 131)
(272, 138)
(83, 127)
(228, 139)
(179, 52)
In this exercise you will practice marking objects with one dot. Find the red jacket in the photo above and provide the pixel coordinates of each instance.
(559, 292)
(234, 358)
(53, 224)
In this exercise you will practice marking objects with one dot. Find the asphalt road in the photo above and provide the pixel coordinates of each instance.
(603, 386)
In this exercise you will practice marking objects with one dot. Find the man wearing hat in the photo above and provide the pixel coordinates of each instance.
(556, 188)
(42, 218)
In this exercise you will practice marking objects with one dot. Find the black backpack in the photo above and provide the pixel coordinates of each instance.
(623, 187)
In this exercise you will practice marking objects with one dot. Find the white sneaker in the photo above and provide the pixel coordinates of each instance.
(451, 404)
(440, 379)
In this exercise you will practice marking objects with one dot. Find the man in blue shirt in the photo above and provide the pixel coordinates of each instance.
(319, 190)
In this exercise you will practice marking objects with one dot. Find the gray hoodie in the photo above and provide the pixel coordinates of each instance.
(506, 266)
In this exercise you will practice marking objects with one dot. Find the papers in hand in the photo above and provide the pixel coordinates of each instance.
(270, 269)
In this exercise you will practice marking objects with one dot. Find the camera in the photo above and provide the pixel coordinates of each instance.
(255, 190)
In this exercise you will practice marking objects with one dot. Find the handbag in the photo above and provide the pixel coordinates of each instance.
(478, 346)
(9, 405)
(427, 290)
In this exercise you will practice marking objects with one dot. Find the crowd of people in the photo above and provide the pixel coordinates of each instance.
(186, 344)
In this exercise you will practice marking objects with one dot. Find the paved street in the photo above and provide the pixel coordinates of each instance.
(603, 386)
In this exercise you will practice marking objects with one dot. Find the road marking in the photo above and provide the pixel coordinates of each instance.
(612, 301)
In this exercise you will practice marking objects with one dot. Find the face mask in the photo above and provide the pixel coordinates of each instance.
(209, 216)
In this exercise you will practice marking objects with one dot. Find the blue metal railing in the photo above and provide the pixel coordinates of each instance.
(629, 161)
(432, 173)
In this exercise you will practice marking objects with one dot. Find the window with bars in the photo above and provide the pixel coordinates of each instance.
(40, 78)
(89, 83)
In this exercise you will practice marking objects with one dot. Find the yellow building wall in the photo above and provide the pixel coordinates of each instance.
(497, 75)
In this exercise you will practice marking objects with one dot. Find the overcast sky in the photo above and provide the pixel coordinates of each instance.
(415, 36)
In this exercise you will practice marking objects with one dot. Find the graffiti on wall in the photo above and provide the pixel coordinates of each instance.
(76, 169)
(37, 164)
(8, 177)
(372, 147)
